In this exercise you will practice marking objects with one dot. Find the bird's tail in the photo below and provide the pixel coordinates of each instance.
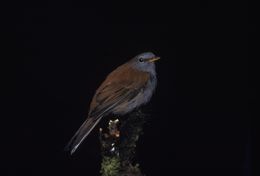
(81, 134)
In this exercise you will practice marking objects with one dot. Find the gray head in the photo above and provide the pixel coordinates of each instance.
(145, 62)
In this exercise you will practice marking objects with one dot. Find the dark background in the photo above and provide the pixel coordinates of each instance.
(57, 53)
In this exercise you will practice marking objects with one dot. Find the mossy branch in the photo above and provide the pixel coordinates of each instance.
(118, 145)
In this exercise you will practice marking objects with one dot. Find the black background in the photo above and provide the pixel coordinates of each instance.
(57, 53)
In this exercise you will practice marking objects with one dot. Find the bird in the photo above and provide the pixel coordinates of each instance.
(128, 87)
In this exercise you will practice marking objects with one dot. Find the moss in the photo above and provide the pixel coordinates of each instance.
(110, 166)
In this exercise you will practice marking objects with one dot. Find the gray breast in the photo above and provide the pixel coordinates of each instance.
(141, 98)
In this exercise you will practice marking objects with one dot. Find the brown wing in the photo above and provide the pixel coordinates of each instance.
(121, 85)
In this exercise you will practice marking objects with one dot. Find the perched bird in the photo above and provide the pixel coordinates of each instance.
(127, 87)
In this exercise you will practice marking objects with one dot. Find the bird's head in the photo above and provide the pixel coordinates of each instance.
(144, 62)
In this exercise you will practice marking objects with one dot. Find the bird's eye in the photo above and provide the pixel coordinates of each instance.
(141, 59)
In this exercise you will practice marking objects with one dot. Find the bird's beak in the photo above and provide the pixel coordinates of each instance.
(154, 59)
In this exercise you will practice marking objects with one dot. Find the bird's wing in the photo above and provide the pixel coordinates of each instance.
(117, 90)
(109, 97)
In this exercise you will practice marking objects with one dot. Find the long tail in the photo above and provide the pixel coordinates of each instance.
(81, 134)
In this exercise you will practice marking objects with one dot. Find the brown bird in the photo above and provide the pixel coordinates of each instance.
(126, 88)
